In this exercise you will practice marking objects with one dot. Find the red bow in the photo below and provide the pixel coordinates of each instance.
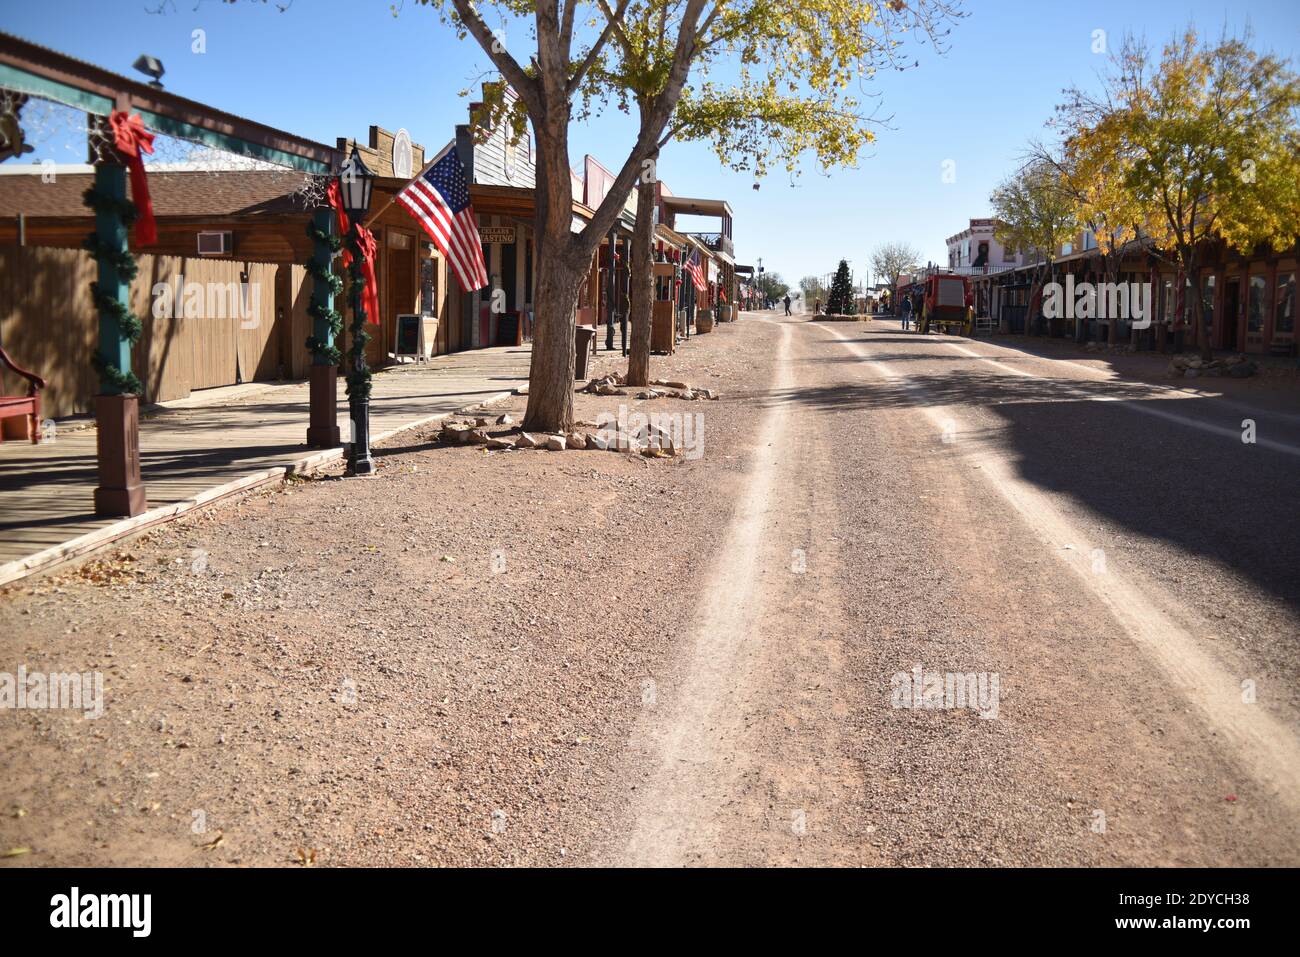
(366, 240)
(130, 137)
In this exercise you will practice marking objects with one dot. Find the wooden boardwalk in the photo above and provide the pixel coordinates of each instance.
(194, 449)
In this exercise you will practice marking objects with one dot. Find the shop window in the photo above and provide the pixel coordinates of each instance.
(1284, 316)
(1255, 304)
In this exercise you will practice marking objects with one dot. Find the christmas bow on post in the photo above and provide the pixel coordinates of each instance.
(130, 137)
(365, 240)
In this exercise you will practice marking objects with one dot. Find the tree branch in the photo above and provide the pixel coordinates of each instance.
(514, 74)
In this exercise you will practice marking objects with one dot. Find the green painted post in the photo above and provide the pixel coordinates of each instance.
(117, 411)
(323, 423)
(322, 295)
(114, 347)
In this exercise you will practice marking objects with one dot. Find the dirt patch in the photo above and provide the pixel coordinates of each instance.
(436, 665)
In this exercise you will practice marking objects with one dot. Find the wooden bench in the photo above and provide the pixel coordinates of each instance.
(28, 405)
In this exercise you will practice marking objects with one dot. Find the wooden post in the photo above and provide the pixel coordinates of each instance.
(117, 414)
(323, 425)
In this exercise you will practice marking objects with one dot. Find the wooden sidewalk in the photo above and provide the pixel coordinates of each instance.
(195, 451)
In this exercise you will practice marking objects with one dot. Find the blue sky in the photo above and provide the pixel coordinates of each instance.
(330, 68)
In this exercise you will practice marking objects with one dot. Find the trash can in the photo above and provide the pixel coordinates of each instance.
(583, 337)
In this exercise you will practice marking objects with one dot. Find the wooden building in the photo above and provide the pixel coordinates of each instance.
(222, 294)
(1250, 300)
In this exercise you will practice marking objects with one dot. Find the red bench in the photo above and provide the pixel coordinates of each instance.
(28, 405)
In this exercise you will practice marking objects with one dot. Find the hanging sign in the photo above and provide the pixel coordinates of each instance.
(497, 234)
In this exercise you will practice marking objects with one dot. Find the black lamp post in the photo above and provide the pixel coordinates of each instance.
(356, 182)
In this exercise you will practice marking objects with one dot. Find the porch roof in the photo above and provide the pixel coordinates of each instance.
(697, 207)
(191, 193)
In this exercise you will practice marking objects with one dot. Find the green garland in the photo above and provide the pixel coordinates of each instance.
(324, 276)
(335, 243)
(123, 263)
(126, 320)
(125, 383)
(121, 260)
(358, 373)
(101, 202)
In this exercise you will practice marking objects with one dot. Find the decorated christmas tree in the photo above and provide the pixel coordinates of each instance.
(841, 298)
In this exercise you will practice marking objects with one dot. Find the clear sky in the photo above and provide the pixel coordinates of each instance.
(330, 68)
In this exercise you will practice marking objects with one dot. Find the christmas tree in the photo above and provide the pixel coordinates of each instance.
(841, 298)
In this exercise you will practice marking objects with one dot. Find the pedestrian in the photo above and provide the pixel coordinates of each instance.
(817, 307)
(787, 305)
(907, 312)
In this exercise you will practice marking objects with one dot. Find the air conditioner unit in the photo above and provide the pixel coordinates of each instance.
(214, 243)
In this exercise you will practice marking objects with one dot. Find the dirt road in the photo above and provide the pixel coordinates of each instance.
(959, 507)
(920, 601)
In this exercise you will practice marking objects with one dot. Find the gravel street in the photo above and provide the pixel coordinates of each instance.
(920, 601)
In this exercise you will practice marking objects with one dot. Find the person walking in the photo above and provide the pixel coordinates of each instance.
(907, 312)
(787, 305)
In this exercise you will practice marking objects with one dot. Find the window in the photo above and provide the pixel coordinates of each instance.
(1089, 240)
(1255, 304)
(1009, 254)
(1284, 316)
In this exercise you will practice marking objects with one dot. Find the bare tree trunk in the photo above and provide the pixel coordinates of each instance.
(1198, 311)
(1035, 292)
(641, 285)
(1112, 276)
(561, 264)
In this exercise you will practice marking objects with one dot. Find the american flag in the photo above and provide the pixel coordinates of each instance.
(694, 266)
(439, 199)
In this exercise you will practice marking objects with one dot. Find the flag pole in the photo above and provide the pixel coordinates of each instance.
(393, 198)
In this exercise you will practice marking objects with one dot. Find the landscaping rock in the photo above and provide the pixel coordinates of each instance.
(577, 440)
(526, 441)
(555, 443)
(454, 433)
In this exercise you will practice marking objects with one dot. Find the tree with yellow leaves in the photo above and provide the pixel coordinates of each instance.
(641, 53)
(1202, 145)
(1036, 214)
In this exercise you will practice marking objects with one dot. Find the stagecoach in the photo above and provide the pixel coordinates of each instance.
(947, 304)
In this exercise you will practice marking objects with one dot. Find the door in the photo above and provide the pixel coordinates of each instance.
(1231, 312)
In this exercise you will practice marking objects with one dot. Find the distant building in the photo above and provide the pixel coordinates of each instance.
(976, 249)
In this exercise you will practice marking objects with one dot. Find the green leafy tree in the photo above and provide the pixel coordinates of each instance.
(1211, 147)
(813, 288)
(1036, 213)
(772, 286)
(639, 55)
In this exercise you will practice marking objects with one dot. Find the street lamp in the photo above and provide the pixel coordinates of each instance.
(356, 182)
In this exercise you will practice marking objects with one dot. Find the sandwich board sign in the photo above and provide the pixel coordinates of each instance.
(410, 336)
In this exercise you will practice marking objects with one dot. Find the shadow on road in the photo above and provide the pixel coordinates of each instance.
(1211, 495)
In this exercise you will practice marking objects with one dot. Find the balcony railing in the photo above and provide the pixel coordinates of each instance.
(718, 242)
(990, 270)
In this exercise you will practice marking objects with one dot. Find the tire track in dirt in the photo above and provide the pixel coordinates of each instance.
(748, 768)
